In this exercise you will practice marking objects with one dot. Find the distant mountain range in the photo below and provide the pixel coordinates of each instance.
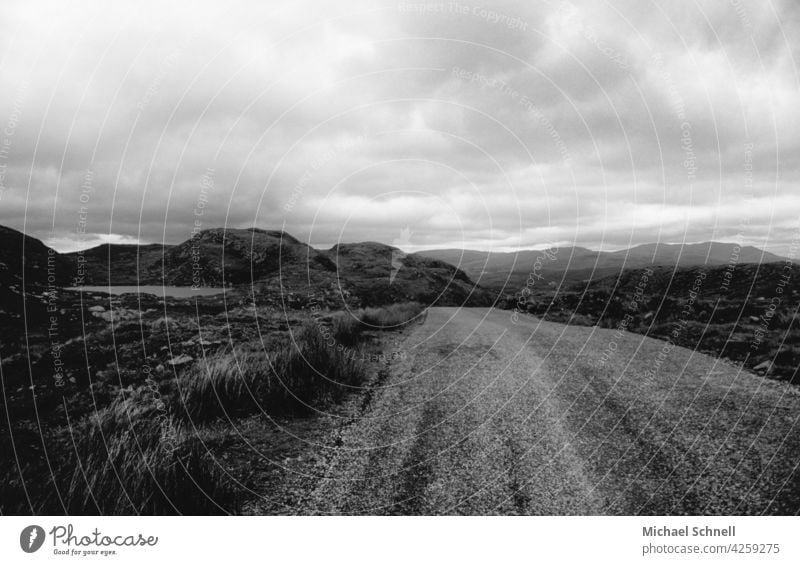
(572, 264)
(274, 262)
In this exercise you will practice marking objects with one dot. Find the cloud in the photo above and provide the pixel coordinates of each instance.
(491, 125)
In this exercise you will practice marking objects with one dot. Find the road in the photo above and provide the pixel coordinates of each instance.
(484, 416)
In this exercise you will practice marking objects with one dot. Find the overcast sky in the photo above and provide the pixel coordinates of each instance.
(491, 125)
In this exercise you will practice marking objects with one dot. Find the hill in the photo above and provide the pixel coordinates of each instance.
(368, 267)
(270, 265)
(214, 257)
(130, 263)
(509, 271)
(20, 254)
(26, 263)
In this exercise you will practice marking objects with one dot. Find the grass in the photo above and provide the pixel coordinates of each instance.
(318, 371)
(224, 385)
(308, 373)
(127, 459)
(349, 326)
(132, 460)
(132, 447)
(391, 317)
(316, 368)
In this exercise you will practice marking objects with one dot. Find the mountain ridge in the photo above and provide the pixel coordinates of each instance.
(276, 260)
(501, 270)
(270, 262)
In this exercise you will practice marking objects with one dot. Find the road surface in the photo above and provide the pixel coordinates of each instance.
(484, 416)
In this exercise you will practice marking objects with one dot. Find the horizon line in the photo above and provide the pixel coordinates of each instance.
(121, 239)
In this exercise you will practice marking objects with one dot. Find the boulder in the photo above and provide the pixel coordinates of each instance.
(180, 360)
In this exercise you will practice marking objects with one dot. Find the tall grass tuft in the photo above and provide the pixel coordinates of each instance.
(346, 328)
(226, 385)
(319, 371)
(311, 371)
(308, 373)
(394, 316)
(128, 460)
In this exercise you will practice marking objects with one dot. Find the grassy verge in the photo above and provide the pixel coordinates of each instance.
(348, 326)
(306, 374)
(129, 444)
(309, 373)
(126, 459)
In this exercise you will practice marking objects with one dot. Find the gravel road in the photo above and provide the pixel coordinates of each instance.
(484, 416)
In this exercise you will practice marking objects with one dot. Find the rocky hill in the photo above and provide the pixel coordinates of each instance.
(214, 257)
(27, 263)
(384, 274)
(270, 265)
(130, 263)
(21, 254)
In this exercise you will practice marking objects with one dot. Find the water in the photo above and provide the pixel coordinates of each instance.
(162, 291)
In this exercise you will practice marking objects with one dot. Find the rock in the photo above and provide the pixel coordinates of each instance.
(764, 366)
(180, 360)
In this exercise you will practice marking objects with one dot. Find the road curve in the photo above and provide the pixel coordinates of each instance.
(484, 416)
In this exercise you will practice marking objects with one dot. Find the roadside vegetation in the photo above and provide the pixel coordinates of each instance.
(348, 326)
(131, 424)
(294, 380)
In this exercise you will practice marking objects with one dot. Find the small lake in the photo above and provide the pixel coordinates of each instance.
(164, 291)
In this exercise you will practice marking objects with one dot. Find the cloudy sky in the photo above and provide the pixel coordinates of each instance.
(492, 125)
